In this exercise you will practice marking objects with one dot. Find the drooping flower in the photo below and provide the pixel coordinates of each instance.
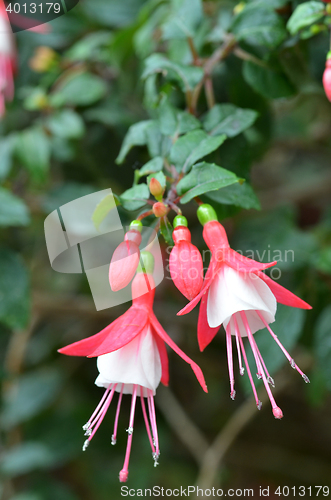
(7, 59)
(125, 258)
(132, 359)
(237, 294)
(185, 261)
(327, 77)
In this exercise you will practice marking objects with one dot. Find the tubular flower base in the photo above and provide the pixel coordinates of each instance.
(237, 294)
(125, 258)
(132, 359)
(7, 60)
(185, 262)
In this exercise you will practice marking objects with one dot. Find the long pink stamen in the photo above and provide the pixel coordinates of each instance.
(241, 368)
(152, 417)
(143, 407)
(98, 419)
(256, 356)
(102, 410)
(291, 360)
(276, 410)
(114, 435)
(125, 471)
(230, 361)
(258, 402)
(88, 423)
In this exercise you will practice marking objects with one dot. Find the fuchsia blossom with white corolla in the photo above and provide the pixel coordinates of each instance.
(132, 359)
(237, 294)
(7, 59)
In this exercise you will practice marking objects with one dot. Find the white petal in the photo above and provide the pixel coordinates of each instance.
(138, 362)
(233, 291)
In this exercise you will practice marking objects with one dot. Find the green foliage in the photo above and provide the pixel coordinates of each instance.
(14, 290)
(13, 211)
(203, 178)
(135, 197)
(191, 147)
(79, 90)
(32, 148)
(305, 14)
(258, 24)
(228, 119)
(268, 82)
(323, 344)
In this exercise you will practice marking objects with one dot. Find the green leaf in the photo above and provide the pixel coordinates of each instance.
(136, 136)
(32, 146)
(228, 119)
(24, 458)
(203, 178)
(32, 393)
(193, 146)
(135, 197)
(79, 90)
(152, 166)
(159, 176)
(288, 327)
(14, 211)
(270, 83)
(87, 48)
(166, 231)
(240, 195)
(14, 290)
(305, 14)
(258, 24)
(112, 12)
(6, 151)
(66, 124)
(183, 21)
(174, 122)
(323, 344)
(188, 76)
(103, 208)
(322, 261)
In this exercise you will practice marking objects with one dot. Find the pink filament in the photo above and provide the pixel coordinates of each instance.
(143, 407)
(97, 421)
(274, 336)
(152, 417)
(117, 415)
(99, 405)
(124, 472)
(258, 402)
(259, 366)
(230, 361)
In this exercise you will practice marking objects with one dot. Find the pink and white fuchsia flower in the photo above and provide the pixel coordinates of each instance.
(7, 59)
(132, 359)
(239, 296)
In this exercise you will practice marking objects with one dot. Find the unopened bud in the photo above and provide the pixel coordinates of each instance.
(156, 189)
(159, 209)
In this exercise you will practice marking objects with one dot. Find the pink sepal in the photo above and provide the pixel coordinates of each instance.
(205, 332)
(164, 358)
(113, 337)
(241, 263)
(165, 337)
(283, 296)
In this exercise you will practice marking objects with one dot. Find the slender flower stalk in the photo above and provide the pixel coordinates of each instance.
(239, 296)
(131, 359)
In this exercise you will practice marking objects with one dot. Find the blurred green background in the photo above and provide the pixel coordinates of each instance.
(59, 140)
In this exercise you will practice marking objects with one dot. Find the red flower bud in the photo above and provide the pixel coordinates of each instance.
(125, 260)
(327, 79)
(155, 188)
(159, 209)
(185, 264)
